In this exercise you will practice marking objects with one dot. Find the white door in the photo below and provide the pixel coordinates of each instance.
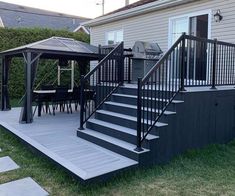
(177, 27)
(197, 25)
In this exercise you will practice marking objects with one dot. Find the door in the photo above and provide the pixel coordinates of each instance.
(178, 26)
(197, 66)
(196, 25)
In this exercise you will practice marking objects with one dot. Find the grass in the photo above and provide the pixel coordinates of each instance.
(210, 171)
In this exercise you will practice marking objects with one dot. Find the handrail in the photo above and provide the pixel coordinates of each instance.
(102, 62)
(162, 59)
(99, 84)
(190, 37)
(191, 61)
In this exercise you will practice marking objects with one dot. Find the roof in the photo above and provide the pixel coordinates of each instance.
(132, 5)
(135, 9)
(55, 46)
(82, 28)
(17, 16)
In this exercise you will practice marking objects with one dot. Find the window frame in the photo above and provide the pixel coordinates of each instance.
(115, 32)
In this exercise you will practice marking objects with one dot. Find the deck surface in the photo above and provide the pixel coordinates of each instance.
(55, 137)
(188, 89)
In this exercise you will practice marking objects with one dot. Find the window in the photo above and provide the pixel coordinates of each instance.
(114, 37)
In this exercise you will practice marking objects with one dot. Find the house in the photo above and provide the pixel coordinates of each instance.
(163, 21)
(18, 16)
(184, 99)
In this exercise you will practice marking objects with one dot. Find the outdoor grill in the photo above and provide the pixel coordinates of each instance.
(145, 56)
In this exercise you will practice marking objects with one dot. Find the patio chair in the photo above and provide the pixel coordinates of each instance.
(61, 98)
(75, 97)
(43, 99)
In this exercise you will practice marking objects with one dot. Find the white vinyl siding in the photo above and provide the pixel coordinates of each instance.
(154, 26)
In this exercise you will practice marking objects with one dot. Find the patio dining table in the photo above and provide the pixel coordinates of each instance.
(50, 93)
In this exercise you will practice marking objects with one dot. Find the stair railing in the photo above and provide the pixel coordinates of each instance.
(190, 62)
(99, 84)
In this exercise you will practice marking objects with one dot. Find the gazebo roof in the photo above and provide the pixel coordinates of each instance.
(54, 47)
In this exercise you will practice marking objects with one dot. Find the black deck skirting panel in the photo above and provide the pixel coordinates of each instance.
(205, 117)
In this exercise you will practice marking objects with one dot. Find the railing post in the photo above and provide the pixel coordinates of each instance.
(82, 103)
(121, 65)
(214, 65)
(100, 58)
(129, 69)
(182, 64)
(139, 105)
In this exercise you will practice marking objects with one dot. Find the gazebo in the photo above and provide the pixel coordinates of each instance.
(60, 48)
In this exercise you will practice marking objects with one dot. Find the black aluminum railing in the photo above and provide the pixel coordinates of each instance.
(104, 50)
(98, 85)
(128, 65)
(190, 62)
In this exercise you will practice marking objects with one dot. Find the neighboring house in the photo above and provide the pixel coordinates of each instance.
(17, 16)
(163, 21)
(1, 23)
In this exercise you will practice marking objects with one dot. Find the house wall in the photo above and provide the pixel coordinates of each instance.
(154, 26)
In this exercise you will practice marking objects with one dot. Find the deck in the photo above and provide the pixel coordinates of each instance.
(55, 137)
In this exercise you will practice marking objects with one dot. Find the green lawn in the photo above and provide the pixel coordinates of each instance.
(210, 171)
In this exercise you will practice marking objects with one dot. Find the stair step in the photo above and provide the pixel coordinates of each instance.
(146, 98)
(125, 120)
(117, 131)
(116, 145)
(133, 89)
(135, 107)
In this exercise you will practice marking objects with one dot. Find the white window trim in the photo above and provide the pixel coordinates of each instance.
(115, 35)
(189, 15)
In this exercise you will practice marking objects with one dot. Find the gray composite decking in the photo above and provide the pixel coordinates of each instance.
(56, 137)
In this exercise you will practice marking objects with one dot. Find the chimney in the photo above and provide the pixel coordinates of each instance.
(127, 2)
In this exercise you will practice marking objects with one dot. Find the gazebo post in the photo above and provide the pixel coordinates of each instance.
(5, 103)
(29, 117)
(82, 66)
(30, 74)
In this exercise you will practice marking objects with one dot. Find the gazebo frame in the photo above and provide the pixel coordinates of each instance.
(31, 55)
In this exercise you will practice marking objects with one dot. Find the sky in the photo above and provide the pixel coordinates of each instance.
(85, 8)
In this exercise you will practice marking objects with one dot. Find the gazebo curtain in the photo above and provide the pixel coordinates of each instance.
(5, 104)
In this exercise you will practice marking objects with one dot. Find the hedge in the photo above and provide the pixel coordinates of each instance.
(11, 38)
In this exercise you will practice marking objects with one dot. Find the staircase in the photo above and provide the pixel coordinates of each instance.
(114, 126)
(140, 121)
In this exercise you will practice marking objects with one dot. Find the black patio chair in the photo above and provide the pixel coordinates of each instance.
(43, 99)
(61, 98)
(75, 97)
